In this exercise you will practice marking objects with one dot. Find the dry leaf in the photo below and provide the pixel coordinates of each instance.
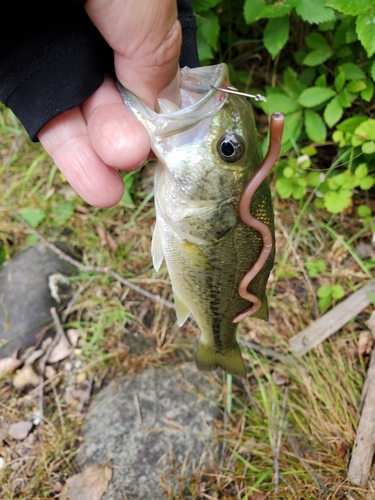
(8, 365)
(73, 336)
(61, 351)
(365, 343)
(2, 463)
(26, 376)
(279, 378)
(20, 430)
(88, 485)
(105, 238)
(49, 372)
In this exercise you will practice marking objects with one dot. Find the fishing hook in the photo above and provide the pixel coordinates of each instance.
(276, 132)
(233, 90)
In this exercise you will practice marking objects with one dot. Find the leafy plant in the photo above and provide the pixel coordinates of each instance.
(328, 294)
(323, 91)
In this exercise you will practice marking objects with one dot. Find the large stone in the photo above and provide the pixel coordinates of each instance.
(25, 297)
(155, 428)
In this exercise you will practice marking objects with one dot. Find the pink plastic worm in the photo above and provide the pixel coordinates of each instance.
(276, 131)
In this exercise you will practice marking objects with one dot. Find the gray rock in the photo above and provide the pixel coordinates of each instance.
(156, 428)
(25, 297)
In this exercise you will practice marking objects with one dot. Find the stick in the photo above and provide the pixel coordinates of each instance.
(332, 321)
(364, 446)
(97, 269)
(277, 440)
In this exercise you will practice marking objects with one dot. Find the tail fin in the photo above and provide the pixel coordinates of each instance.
(208, 359)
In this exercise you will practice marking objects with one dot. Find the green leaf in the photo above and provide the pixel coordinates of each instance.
(372, 71)
(210, 28)
(324, 291)
(314, 11)
(253, 10)
(361, 171)
(314, 267)
(351, 7)
(284, 187)
(366, 31)
(292, 128)
(339, 80)
(204, 50)
(336, 201)
(263, 9)
(324, 303)
(277, 100)
(33, 216)
(350, 124)
(276, 35)
(315, 127)
(313, 179)
(352, 72)
(368, 147)
(367, 183)
(367, 94)
(314, 96)
(337, 292)
(317, 57)
(292, 85)
(364, 211)
(321, 81)
(346, 98)
(203, 5)
(316, 41)
(356, 86)
(333, 112)
(366, 130)
(64, 212)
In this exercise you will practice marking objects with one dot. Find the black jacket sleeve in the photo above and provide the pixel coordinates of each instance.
(58, 58)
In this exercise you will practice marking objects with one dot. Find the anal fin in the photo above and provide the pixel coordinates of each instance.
(182, 310)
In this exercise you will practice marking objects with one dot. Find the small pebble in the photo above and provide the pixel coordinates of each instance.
(20, 430)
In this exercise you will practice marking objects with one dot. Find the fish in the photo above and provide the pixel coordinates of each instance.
(208, 151)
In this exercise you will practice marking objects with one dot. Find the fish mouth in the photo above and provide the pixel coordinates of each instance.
(199, 100)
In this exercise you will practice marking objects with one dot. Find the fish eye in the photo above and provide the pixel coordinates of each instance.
(230, 148)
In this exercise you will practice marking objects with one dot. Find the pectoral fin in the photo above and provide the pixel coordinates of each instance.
(208, 359)
(182, 311)
(157, 251)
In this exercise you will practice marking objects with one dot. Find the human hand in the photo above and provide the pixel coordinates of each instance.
(89, 142)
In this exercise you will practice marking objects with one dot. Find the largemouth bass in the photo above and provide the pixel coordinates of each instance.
(208, 150)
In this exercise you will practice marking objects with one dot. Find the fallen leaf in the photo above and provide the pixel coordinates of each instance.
(73, 336)
(9, 365)
(61, 351)
(105, 238)
(2, 463)
(88, 485)
(20, 430)
(279, 378)
(26, 376)
(49, 372)
(365, 343)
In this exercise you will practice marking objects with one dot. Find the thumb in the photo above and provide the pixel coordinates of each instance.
(146, 39)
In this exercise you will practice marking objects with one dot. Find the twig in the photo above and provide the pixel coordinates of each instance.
(364, 446)
(43, 361)
(267, 353)
(332, 321)
(97, 269)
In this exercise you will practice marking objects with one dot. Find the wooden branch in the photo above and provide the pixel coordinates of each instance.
(332, 321)
(97, 269)
(364, 445)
